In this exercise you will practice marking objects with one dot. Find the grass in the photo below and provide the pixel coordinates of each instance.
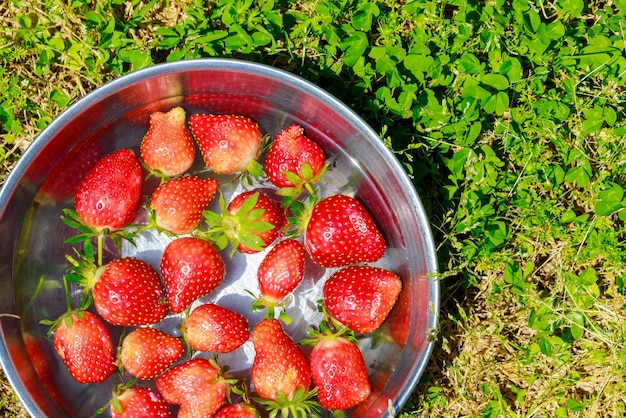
(10, 405)
(508, 115)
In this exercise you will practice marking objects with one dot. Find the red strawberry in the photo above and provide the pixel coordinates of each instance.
(139, 402)
(109, 196)
(128, 291)
(280, 272)
(271, 214)
(375, 405)
(294, 161)
(146, 352)
(215, 328)
(191, 268)
(340, 231)
(250, 223)
(229, 143)
(238, 410)
(196, 385)
(176, 206)
(83, 342)
(338, 371)
(167, 149)
(361, 297)
(279, 366)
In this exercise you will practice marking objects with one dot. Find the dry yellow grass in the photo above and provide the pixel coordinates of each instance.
(10, 405)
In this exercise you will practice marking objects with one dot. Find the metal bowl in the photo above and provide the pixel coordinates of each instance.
(32, 248)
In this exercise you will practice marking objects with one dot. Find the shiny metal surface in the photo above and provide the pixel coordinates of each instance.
(32, 237)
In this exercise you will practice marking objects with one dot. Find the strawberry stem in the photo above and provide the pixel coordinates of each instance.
(100, 250)
(183, 331)
(312, 191)
(67, 294)
(146, 227)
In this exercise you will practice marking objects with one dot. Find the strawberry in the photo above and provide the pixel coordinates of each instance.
(244, 408)
(83, 342)
(229, 143)
(294, 161)
(375, 404)
(109, 197)
(191, 268)
(146, 352)
(280, 272)
(280, 371)
(361, 297)
(338, 371)
(340, 231)
(271, 214)
(250, 222)
(167, 149)
(127, 292)
(139, 402)
(215, 328)
(238, 410)
(196, 385)
(176, 205)
(338, 367)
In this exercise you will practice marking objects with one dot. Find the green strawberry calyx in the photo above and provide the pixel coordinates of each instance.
(300, 215)
(302, 182)
(301, 405)
(240, 227)
(329, 328)
(271, 306)
(87, 233)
